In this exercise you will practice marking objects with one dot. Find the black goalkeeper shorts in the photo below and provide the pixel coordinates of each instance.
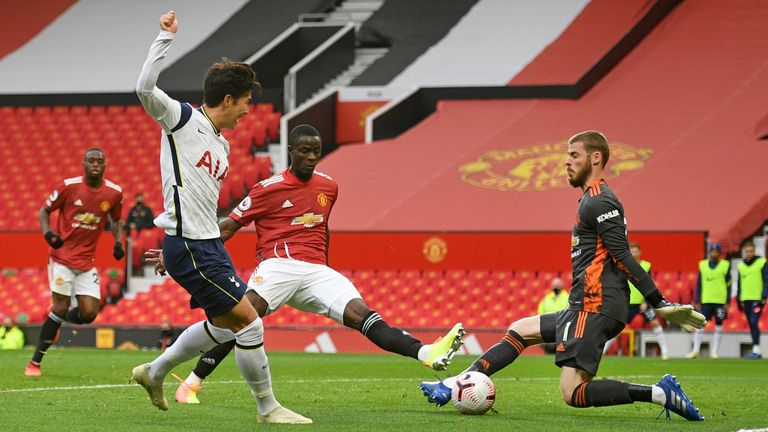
(580, 338)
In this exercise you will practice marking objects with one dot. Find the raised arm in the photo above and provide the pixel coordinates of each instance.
(159, 105)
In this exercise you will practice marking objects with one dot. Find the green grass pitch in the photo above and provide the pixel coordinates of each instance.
(87, 390)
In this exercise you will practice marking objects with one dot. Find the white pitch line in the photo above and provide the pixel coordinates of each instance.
(340, 380)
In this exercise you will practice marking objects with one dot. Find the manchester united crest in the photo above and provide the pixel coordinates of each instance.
(541, 167)
(435, 249)
(322, 199)
(104, 206)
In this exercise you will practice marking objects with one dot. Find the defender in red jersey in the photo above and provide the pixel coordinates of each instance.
(290, 212)
(85, 204)
(598, 302)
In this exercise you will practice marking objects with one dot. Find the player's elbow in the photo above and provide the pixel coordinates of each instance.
(142, 93)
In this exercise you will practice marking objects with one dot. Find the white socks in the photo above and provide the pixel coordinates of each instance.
(253, 364)
(423, 354)
(756, 349)
(249, 354)
(193, 379)
(659, 333)
(696, 341)
(192, 342)
(716, 341)
(658, 396)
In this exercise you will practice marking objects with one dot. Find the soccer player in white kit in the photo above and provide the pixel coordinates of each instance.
(194, 163)
(290, 212)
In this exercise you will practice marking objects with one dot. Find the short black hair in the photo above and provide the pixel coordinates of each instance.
(94, 149)
(300, 132)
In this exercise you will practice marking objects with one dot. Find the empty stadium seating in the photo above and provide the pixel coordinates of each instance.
(47, 144)
(408, 298)
(26, 291)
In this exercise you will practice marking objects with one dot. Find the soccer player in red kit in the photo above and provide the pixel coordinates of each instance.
(290, 212)
(598, 303)
(85, 204)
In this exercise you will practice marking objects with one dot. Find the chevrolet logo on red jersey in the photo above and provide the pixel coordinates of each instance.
(87, 218)
(307, 219)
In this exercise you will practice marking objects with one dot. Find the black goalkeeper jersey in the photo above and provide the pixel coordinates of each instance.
(601, 260)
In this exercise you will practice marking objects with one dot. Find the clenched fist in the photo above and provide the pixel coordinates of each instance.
(169, 23)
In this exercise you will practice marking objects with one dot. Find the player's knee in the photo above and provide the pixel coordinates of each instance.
(88, 316)
(356, 313)
(515, 326)
(60, 310)
(567, 394)
(251, 336)
(258, 302)
(526, 326)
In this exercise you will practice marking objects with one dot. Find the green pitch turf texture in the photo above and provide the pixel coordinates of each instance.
(87, 390)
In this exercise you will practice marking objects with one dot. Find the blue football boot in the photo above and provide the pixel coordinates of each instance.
(677, 401)
(436, 392)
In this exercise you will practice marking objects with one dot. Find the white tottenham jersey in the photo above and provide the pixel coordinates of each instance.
(193, 157)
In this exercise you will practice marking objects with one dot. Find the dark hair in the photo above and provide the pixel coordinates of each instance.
(94, 149)
(228, 78)
(593, 141)
(300, 132)
(634, 245)
(749, 243)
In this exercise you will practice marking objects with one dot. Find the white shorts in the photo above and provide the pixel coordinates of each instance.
(66, 281)
(305, 286)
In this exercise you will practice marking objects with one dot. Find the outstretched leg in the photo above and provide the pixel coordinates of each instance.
(580, 391)
(438, 355)
(521, 334)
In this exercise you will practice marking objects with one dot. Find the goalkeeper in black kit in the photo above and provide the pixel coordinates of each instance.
(598, 303)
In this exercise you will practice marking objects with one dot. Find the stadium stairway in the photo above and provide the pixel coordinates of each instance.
(697, 80)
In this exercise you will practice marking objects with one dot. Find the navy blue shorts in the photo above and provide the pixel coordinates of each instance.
(204, 269)
(718, 310)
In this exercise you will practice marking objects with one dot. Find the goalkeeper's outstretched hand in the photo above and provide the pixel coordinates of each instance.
(683, 315)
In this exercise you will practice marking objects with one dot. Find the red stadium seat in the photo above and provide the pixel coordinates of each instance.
(264, 108)
(47, 141)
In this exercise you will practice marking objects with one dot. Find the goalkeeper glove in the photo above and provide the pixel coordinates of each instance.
(683, 315)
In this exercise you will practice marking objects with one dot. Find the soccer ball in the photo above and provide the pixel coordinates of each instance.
(473, 393)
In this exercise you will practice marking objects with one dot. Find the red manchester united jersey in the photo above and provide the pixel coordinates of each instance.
(82, 214)
(290, 216)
